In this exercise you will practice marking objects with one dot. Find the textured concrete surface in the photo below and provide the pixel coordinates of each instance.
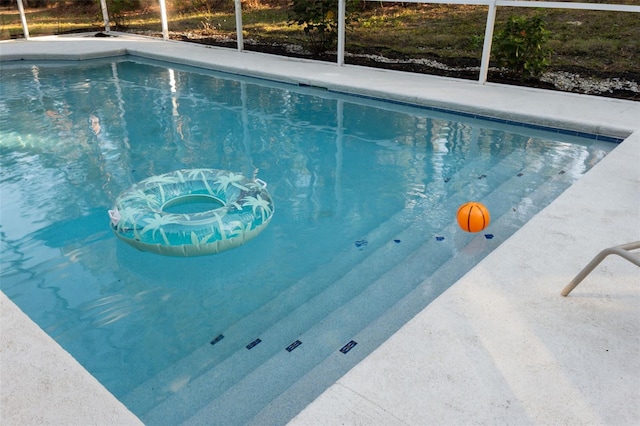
(40, 383)
(501, 346)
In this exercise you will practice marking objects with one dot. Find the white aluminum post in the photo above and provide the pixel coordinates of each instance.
(238, 9)
(488, 39)
(105, 15)
(23, 18)
(163, 18)
(341, 30)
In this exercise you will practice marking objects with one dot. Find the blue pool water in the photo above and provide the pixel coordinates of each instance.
(363, 238)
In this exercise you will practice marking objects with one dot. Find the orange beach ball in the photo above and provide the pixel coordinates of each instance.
(473, 217)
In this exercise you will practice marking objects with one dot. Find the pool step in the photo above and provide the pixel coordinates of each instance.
(307, 324)
(273, 341)
(315, 380)
(322, 343)
(245, 331)
(252, 327)
(223, 368)
(286, 370)
(298, 375)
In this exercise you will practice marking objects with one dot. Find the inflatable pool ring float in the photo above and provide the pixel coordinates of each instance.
(236, 209)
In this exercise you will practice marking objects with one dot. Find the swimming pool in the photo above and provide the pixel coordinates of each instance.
(361, 204)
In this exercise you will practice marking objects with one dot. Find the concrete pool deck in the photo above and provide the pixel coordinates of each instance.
(501, 346)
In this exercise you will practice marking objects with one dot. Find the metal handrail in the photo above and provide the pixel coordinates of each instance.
(621, 250)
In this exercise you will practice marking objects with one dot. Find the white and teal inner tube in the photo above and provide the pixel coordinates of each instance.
(192, 212)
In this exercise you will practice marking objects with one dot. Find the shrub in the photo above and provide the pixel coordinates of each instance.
(319, 19)
(118, 11)
(520, 46)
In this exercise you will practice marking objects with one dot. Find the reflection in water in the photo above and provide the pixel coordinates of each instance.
(359, 186)
(95, 124)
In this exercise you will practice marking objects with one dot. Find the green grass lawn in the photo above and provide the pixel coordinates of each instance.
(591, 41)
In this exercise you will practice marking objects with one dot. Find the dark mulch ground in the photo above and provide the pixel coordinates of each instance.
(493, 76)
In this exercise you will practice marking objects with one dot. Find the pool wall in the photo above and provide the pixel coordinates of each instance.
(500, 346)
